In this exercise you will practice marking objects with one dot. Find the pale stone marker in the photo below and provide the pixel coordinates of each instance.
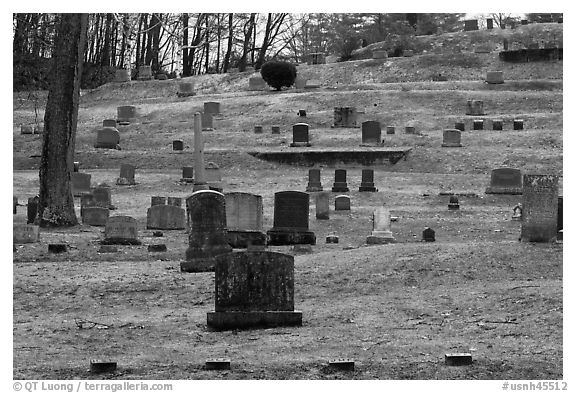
(505, 181)
(459, 125)
(258, 130)
(342, 202)
(451, 138)
(300, 135)
(300, 83)
(166, 217)
(517, 216)
(208, 237)
(410, 130)
(381, 232)
(103, 196)
(367, 183)
(244, 219)
(518, 124)
(539, 208)
(371, 133)
(121, 230)
(323, 206)
(107, 138)
(25, 233)
(340, 184)
(95, 216)
(80, 183)
(314, 181)
(109, 123)
(390, 130)
(122, 75)
(254, 289)
(291, 209)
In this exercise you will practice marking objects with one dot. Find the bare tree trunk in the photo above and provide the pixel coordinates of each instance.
(230, 40)
(56, 204)
(218, 39)
(207, 34)
(248, 28)
(186, 65)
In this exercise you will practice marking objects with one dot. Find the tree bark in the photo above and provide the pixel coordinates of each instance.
(56, 204)
(248, 28)
(230, 40)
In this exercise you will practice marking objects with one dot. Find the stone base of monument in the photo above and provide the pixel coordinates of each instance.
(314, 188)
(107, 146)
(122, 181)
(121, 241)
(300, 144)
(286, 237)
(229, 320)
(367, 187)
(187, 180)
(380, 237)
(340, 187)
(186, 94)
(198, 265)
(451, 144)
(504, 190)
(243, 239)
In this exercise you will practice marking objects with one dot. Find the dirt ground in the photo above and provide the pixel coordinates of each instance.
(396, 309)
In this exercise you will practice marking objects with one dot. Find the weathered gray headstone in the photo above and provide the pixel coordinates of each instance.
(208, 236)
(312, 84)
(207, 122)
(157, 200)
(505, 181)
(103, 196)
(258, 130)
(489, 24)
(451, 138)
(213, 176)
(122, 75)
(185, 89)
(109, 123)
(80, 183)
(25, 233)
(95, 216)
(342, 202)
(26, 129)
(244, 219)
(127, 173)
(340, 183)
(390, 130)
(494, 77)
(254, 289)
(212, 107)
(371, 133)
(145, 73)
(539, 208)
(107, 138)
(381, 232)
(256, 83)
(323, 206)
(275, 130)
(380, 54)
(314, 181)
(300, 135)
(300, 82)
(165, 217)
(346, 117)
(121, 230)
(471, 24)
(459, 125)
(410, 130)
(475, 107)
(291, 209)
(32, 209)
(126, 114)
(367, 183)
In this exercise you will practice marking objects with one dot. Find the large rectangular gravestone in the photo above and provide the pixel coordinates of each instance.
(103, 197)
(381, 233)
(254, 289)
(80, 183)
(212, 107)
(165, 217)
(451, 138)
(314, 181)
(107, 138)
(371, 133)
(291, 209)
(300, 135)
(367, 183)
(505, 181)
(244, 219)
(340, 183)
(121, 230)
(127, 174)
(25, 233)
(95, 216)
(539, 208)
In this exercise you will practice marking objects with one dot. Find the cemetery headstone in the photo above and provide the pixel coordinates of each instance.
(453, 203)
(459, 125)
(428, 235)
(95, 216)
(275, 130)
(144, 73)
(470, 24)
(166, 217)
(312, 84)
(458, 359)
(109, 123)
(127, 173)
(342, 202)
(475, 107)
(157, 200)
(300, 83)
(178, 145)
(185, 89)
(103, 196)
(258, 130)
(32, 209)
(76, 166)
(302, 113)
(381, 232)
(254, 289)
(57, 248)
(207, 122)
(451, 138)
(505, 181)
(316, 58)
(26, 129)
(244, 219)
(187, 174)
(213, 176)
(346, 117)
(371, 133)
(380, 54)
(489, 23)
(122, 75)
(340, 183)
(157, 248)
(497, 124)
(478, 124)
(212, 107)
(518, 124)
(539, 208)
(291, 210)
(390, 130)
(494, 77)
(121, 230)
(256, 83)
(80, 183)
(517, 212)
(126, 114)
(410, 130)
(161, 77)
(107, 138)
(314, 181)
(25, 233)
(174, 201)
(323, 206)
(300, 135)
(367, 183)
(208, 237)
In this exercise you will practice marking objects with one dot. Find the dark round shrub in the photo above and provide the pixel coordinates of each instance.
(278, 74)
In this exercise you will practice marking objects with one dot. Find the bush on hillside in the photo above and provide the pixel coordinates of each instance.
(278, 74)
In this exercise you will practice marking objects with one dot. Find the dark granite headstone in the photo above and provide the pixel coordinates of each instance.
(212, 107)
(478, 124)
(95, 216)
(178, 145)
(497, 124)
(314, 181)
(367, 183)
(371, 133)
(127, 173)
(16, 204)
(25, 233)
(187, 174)
(126, 114)
(428, 235)
(174, 201)
(459, 125)
(345, 117)
(518, 124)
(505, 181)
(300, 135)
(340, 184)
(76, 166)
(109, 123)
(275, 130)
(342, 202)
(32, 209)
(258, 130)
(145, 73)
(494, 77)
(121, 230)
(207, 122)
(539, 208)
(122, 75)
(390, 130)
(291, 210)
(165, 217)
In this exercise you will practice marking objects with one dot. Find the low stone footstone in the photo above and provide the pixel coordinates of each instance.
(80, 183)
(458, 359)
(367, 183)
(213, 176)
(428, 235)
(371, 133)
(275, 130)
(340, 184)
(122, 75)
(381, 232)
(126, 114)
(410, 130)
(494, 77)
(217, 364)
(518, 124)
(57, 248)
(539, 208)
(342, 202)
(314, 181)
(453, 203)
(451, 138)
(300, 135)
(254, 289)
(127, 173)
(25, 233)
(497, 125)
(302, 113)
(178, 145)
(208, 237)
(32, 209)
(517, 212)
(109, 123)
(26, 129)
(390, 130)
(256, 83)
(207, 122)
(475, 107)
(122, 230)
(300, 83)
(107, 138)
(157, 248)
(174, 201)
(302, 249)
(95, 216)
(505, 181)
(258, 130)
(332, 239)
(165, 217)
(244, 219)
(380, 54)
(478, 124)
(460, 126)
(312, 84)
(185, 89)
(157, 200)
(187, 174)
(345, 117)
(102, 366)
(341, 364)
(323, 206)
(103, 196)
(291, 210)
(212, 107)
(145, 73)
